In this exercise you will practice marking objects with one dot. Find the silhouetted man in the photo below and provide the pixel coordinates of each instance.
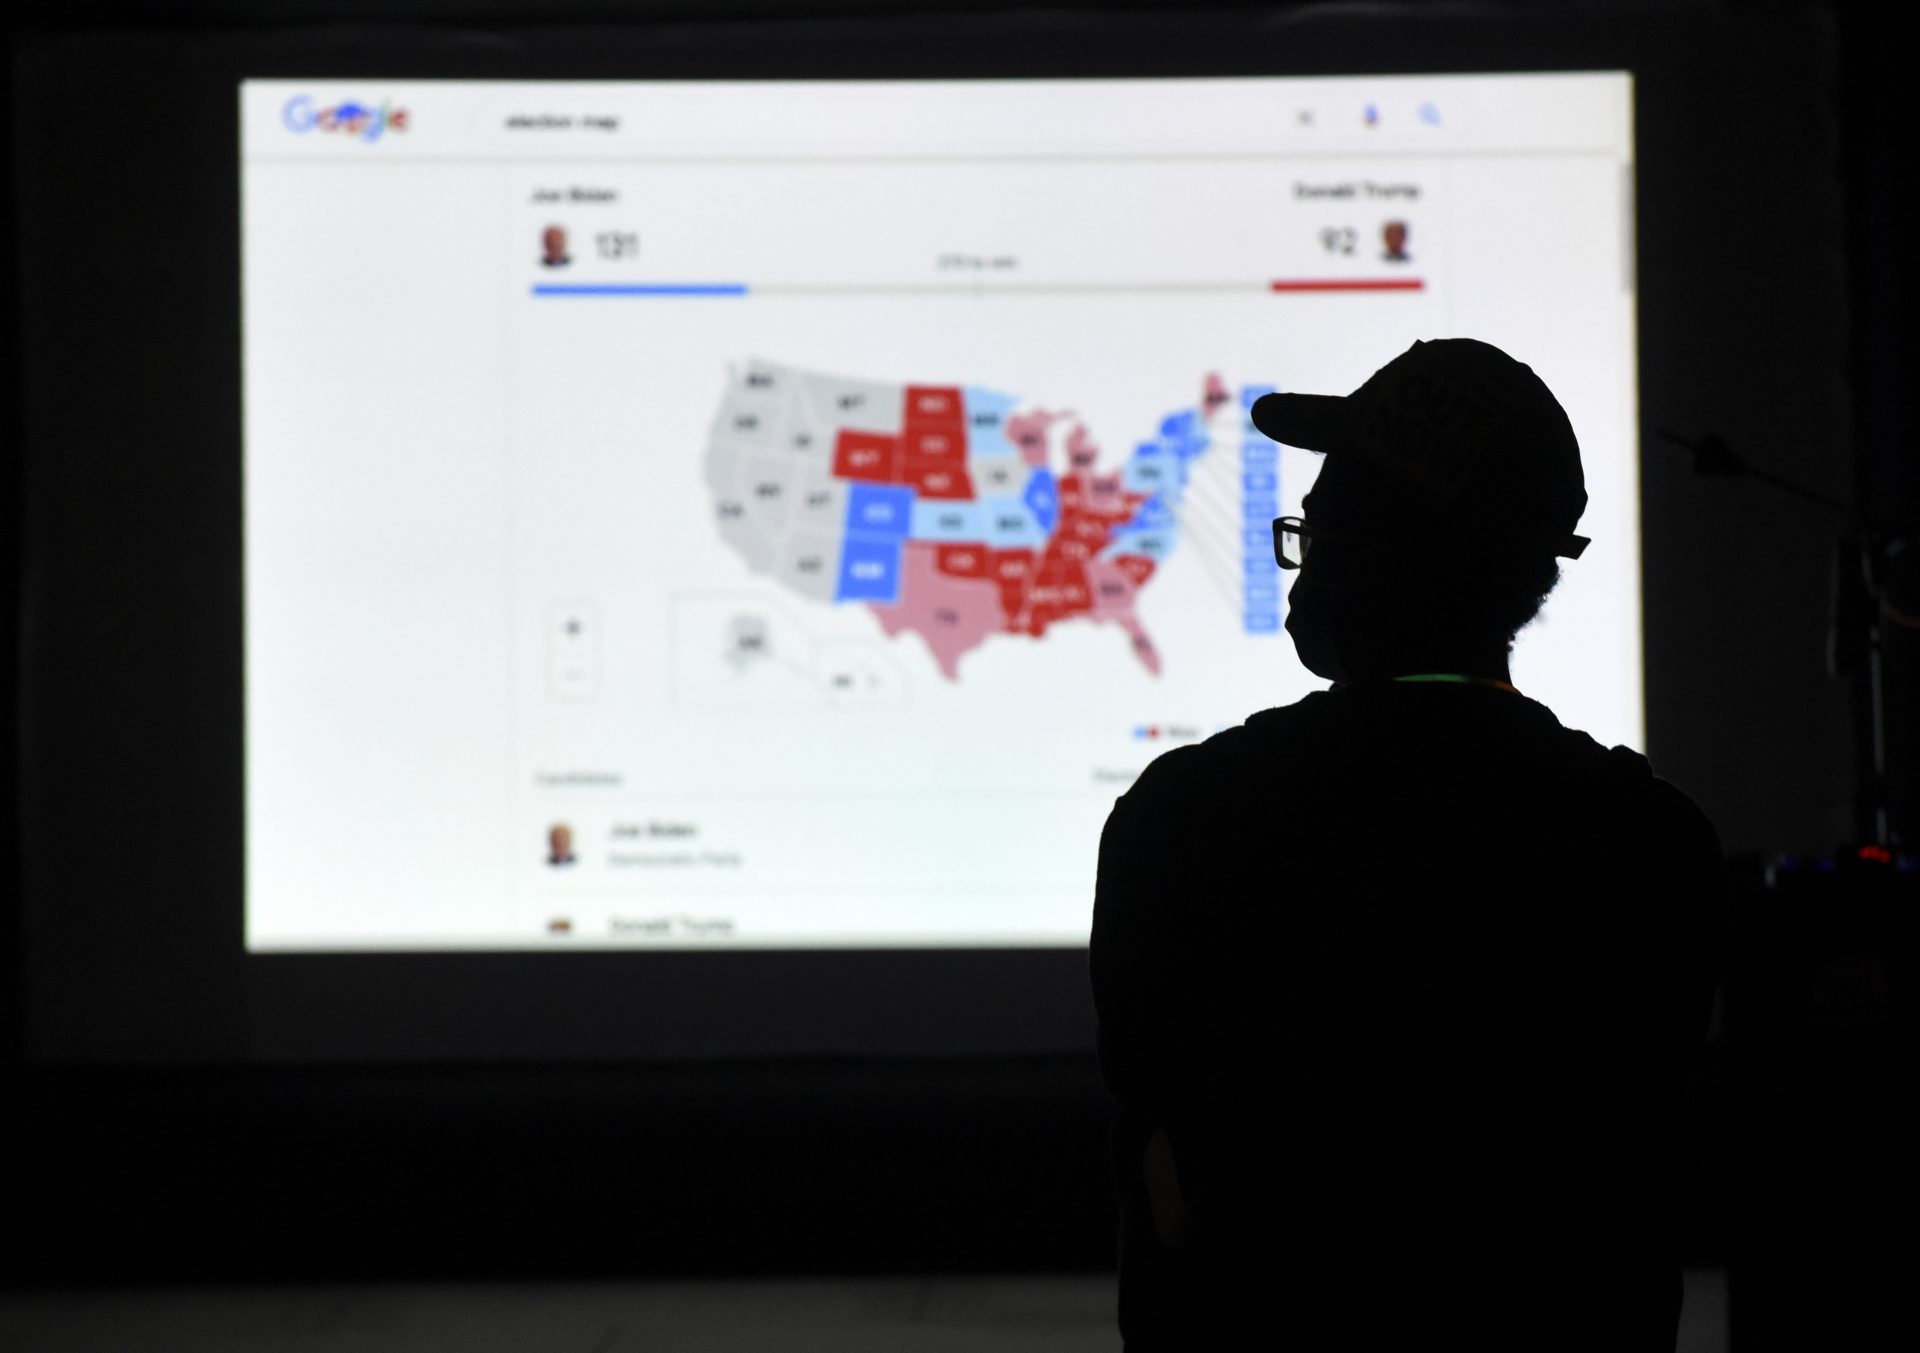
(1398, 985)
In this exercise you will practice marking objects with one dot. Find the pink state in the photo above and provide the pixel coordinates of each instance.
(1028, 432)
(1114, 590)
(954, 615)
(1083, 453)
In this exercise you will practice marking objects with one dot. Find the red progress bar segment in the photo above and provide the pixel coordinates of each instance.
(1355, 284)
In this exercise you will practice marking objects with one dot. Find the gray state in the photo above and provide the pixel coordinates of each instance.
(809, 563)
(834, 402)
(819, 504)
(792, 433)
(729, 474)
(725, 466)
(994, 476)
(748, 537)
(755, 408)
(766, 486)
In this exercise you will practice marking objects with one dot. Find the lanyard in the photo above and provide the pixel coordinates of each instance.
(1455, 679)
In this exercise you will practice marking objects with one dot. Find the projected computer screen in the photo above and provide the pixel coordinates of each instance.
(786, 515)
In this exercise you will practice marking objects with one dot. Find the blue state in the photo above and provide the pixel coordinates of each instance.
(869, 570)
(1153, 515)
(1042, 498)
(879, 510)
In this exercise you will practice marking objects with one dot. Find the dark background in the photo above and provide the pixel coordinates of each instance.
(186, 1112)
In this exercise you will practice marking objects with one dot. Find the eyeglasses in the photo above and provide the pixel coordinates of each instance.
(1291, 537)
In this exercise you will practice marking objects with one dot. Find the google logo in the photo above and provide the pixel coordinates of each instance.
(354, 119)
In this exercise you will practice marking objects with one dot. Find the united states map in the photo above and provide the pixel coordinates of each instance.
(955, 513)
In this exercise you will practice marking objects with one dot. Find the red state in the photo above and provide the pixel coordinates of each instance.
(937, 479)
(1100, 495)
(936, 443)
(1136, 566)
(872, 456)
(1040, 617)
(1071, 549)
(1061, 585)
(1013, 571)
(962, 561)
(936, 408)
(1088, 531)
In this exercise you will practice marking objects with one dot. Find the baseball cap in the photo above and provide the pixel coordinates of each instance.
(1461, 427)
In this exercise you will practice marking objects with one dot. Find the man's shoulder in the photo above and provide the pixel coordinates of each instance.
(1675, 809)
(1646, 807)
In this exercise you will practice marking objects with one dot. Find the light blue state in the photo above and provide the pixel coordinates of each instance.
(987, 412)
(1172, 465)
(1150, 469)
(1011, 525)
(934, 519)
(1154, 543)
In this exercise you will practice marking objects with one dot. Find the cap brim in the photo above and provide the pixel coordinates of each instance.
(1310, 422)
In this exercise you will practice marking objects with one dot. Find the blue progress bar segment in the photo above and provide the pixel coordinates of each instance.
(640, 289)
